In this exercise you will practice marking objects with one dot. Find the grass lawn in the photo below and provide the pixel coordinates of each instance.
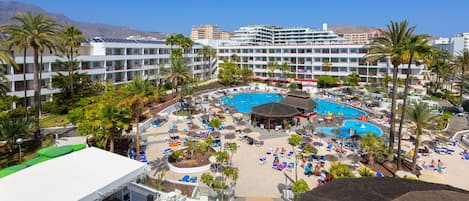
(432, 98)
(54, 120)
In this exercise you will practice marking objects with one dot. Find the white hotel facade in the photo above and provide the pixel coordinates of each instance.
(306, 50)
(119, 61)
(116, 61)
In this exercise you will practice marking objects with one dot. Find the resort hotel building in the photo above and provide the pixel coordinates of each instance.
(116, 61)
(306, 51)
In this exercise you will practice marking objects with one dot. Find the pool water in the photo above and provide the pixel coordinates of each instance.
(244, 102)
(360, 128)
(324, 107)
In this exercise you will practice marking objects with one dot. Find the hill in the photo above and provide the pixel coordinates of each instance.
(346, 29)
(10, 9)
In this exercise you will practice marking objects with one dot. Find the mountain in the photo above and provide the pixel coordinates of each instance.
(10, 9)
(347, 29)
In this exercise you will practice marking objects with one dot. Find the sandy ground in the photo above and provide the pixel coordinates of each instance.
(261, 181)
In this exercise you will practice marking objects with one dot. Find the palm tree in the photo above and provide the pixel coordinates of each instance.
(326, 67)
(170, 40)
(207, 53)
(392, 46)
(417, 48)
(71, 38)
(439, 64)
(272, 66)
(39, 31)
(462, 63)
(6, 58)
(14, 128)
(18, 39)
(284, 67)
(352, 79)
(234, 58)
(371, 145)
(179, 73)
(138, 93)
(385, 82)
(187, 44)
(422, 117)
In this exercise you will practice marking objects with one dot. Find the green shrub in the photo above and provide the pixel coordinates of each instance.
(310, 149)
(364, 171)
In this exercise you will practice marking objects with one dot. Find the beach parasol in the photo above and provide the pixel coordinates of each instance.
(429, 144)
(309, 127)
(205, 116)
(191, 133)
(330, 157)
(238, 115)
(173, 130)
(300, 131)
(354, 157)
(254, 135)
(230, 136)
(241, 123)
(230, 127)
(195, 126)
(215, 109)
(247, 130)
(215, 134)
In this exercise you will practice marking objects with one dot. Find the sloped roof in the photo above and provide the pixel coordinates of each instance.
(274, 110)
(298, 93)
(302, 103)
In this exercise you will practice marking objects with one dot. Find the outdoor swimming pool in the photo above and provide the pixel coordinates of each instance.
(360, 128)
(324, 107)
(243, 102)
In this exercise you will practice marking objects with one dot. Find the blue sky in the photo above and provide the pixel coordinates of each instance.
(439, 18)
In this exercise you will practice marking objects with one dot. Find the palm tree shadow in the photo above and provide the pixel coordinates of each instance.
(159, 165)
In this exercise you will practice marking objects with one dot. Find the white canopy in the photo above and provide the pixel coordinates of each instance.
(88, 174)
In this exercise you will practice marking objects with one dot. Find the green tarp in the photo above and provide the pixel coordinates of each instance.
(77, 147)
(43, 150)
(58, 151)
(37, 160)
(10, 170)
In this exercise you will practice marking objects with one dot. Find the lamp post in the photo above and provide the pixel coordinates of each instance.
(19, 141)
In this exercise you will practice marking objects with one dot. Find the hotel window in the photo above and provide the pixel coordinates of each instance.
(317, 68)
(334, 50)
(343, 69)
(343, 60)
(317, 51)
(334, 60)
(353, 60)
(353, 69)
(353, 50)
(325, 50)
(362, 50)
(309, 50)
(325, 60)
(343, 50)
(317, 59)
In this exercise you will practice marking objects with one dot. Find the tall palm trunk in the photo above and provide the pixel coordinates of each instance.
(111, 140)
(461, 90)
(393, 107)
(401, 122)
(25, 100)
(70, 70)
(37, 95)
(416, 148)
(137, 135)
(40, 82)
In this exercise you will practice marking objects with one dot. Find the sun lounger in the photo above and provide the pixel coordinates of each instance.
(193, 179)
(308, 170)
(270, 150)
(290, 154)
(282, 166)
(329, 147)
(291, 165)
(185, 178)
(262, 160)
(465, 156)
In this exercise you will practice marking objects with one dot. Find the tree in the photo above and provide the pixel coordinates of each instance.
(422, 117)
(71, 38)
(285, 68)
(186, 44)
(385, 82)
(439, 64)
(339, 170)
(234, 58)
(100, 116)
(170, 40)
(39, 31)
(6, 58)
(179, 73)
(462, 63)
(215, 123)
(272, 66)
(245, 74)
(352, 79)
(295, 140)
(327, 81)
(229, 72)
(300, 186)
(372, 145)
(14, 128)
(136, 94)
(391, 46)
(417, 48)
(208, 53)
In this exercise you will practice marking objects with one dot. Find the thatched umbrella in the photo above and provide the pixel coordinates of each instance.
(220, 112)
(307, 139)
(230, 136)
(173, 130)
(230, 127)
(247, 130)
(309, 127)
(330, 157)
(237, 115)
(429, 144)
(241, 123)
(215, 134)
(195, 126)
(354, 157)
(300, 131)
(205, 117)
(191, 133)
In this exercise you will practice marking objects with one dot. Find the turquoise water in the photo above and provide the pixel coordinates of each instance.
(360, 128)
(244, 102)
(325, 106)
